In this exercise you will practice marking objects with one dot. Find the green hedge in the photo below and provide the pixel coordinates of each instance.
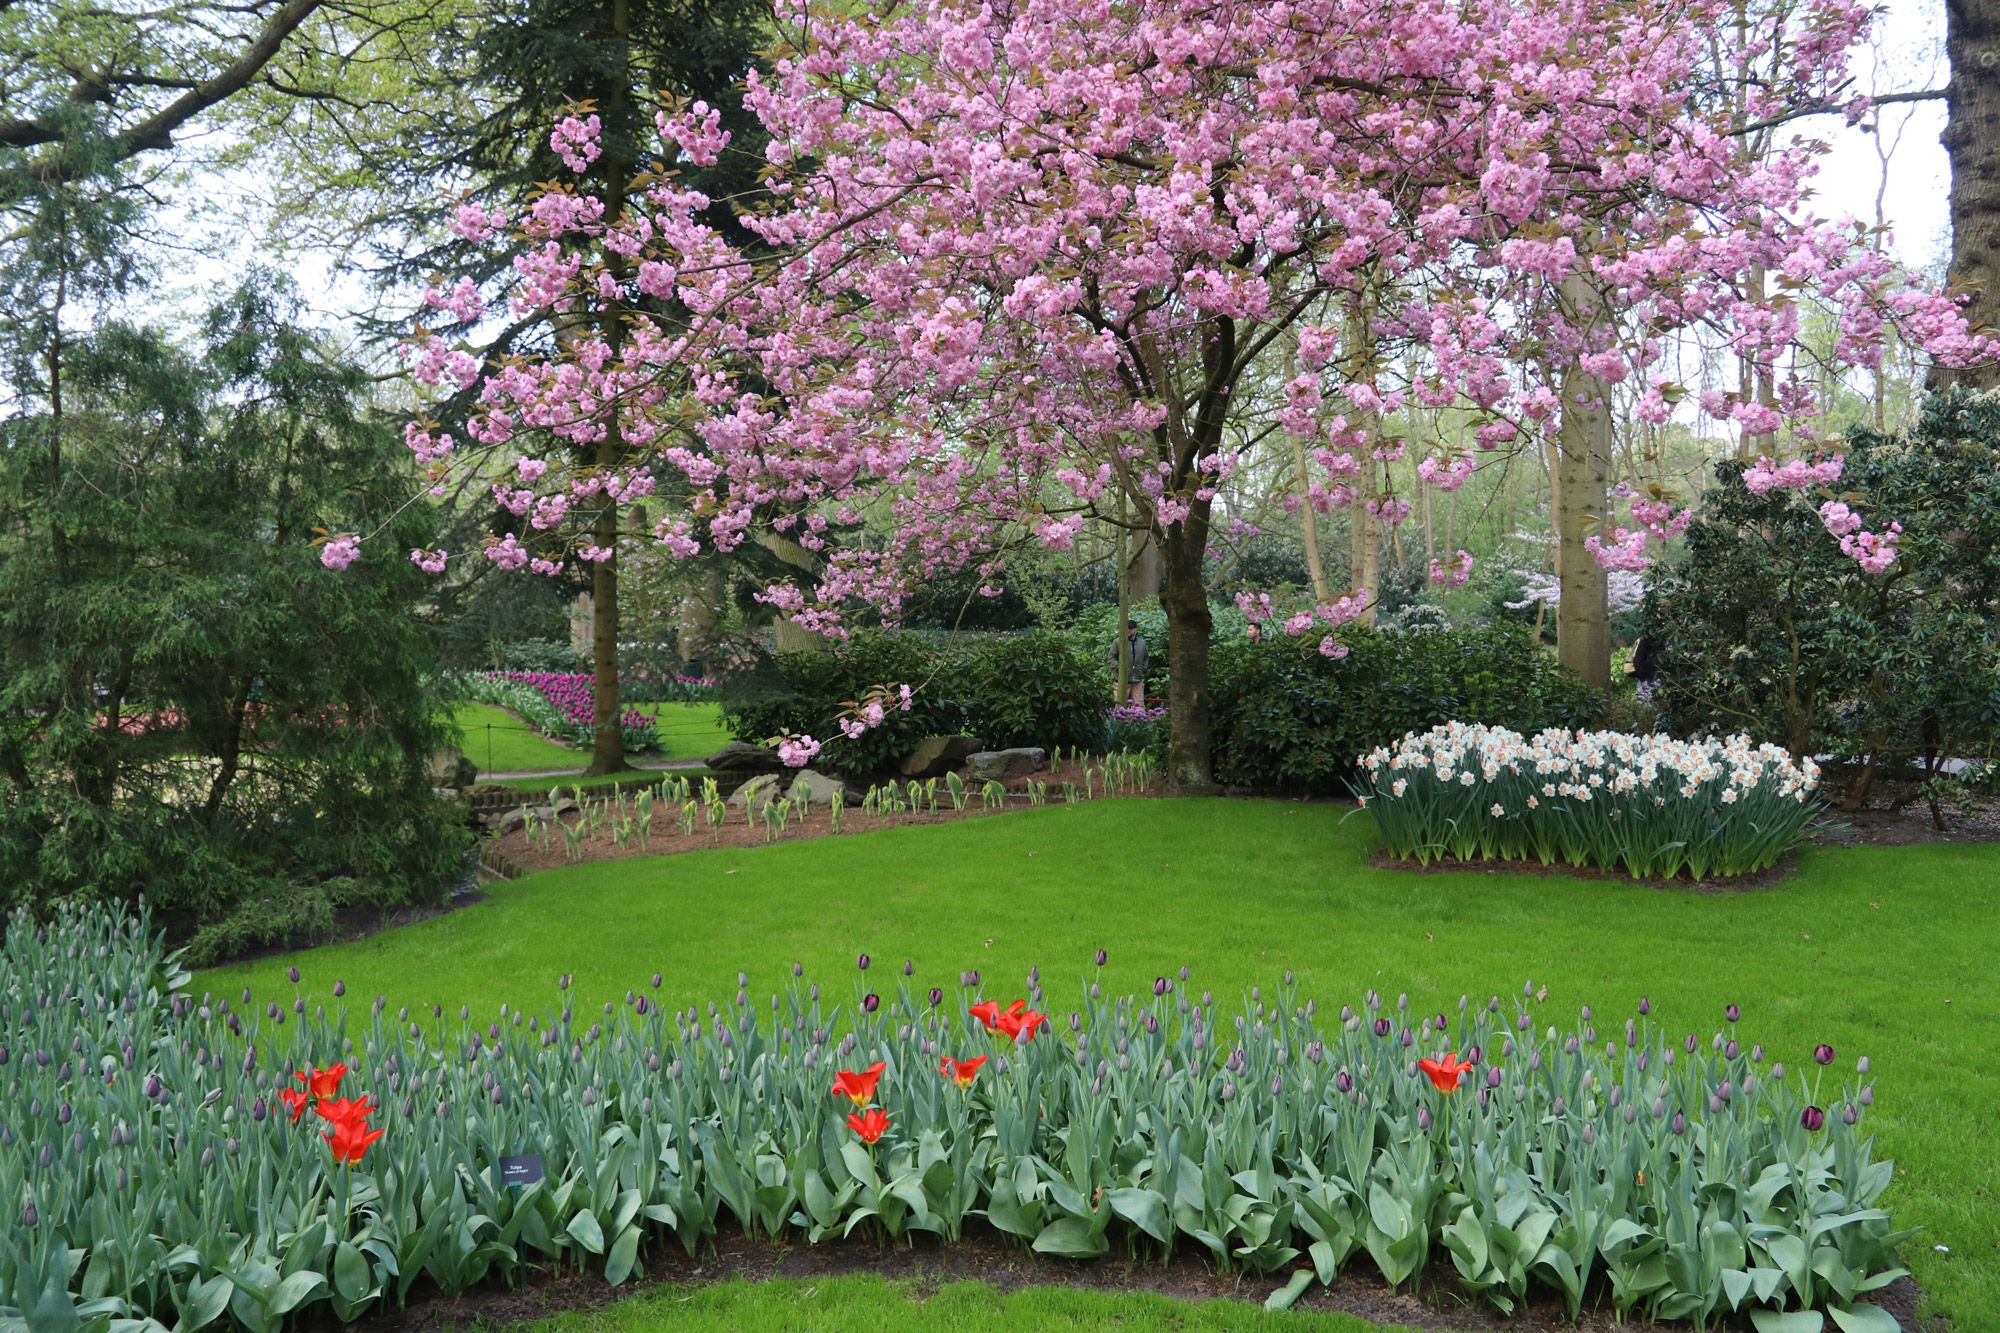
(154, 1176)
(1024, 689)
(1286, 717)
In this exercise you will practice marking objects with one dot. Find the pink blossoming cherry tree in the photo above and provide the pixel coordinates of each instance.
(1028, 260)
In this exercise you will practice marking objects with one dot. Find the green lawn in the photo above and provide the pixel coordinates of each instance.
(870, 1305)
(1883, 952)
(687, 731)
(499, 742)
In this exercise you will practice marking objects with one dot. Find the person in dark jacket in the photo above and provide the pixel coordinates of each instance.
(1645, 668)
(1137, 678)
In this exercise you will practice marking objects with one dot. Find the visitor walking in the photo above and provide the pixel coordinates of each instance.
(1136, 679)
(1645, 669)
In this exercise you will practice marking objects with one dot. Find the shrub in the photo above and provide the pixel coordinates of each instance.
(1024, 689)
(164, 1178)
(1137, 730)
(191, 706)
(1284, 716)
(1650, 804)
(1766, 627)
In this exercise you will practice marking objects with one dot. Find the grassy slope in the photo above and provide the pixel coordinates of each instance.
(510, 745)
(870, 1305)
(687, 731)
(1884, 952)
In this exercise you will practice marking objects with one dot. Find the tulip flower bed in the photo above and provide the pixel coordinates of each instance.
(193, 1163)
(1649, 804)
(557, 704)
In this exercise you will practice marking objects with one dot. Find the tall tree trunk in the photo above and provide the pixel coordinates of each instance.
(793, 638)
(607, 743)
(1315, 567)
(1972, 138)
(1122, 686)
(1365, 556)
(1583, 629)
(1189, 624)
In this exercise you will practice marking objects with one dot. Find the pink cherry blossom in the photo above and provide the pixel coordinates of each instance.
(431, 562)
(1452, 575)
(340, 552)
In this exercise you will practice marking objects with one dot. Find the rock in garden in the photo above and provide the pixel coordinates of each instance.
(757, 792)
(937, 755)
(1000, 765)
(816, 787)
(509, 820)
(743, 757)
(450, 768)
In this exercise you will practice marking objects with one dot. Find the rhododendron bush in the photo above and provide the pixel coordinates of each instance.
(1649, 805)
(1028, 265)
(1846, 604)
(557, 704)
(225, 1162)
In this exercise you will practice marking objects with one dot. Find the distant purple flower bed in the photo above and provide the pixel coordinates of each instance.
(571, 694)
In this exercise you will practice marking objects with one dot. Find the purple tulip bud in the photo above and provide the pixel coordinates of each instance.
(871, 1002)
(259, 1110)
(936, 996)
(1423, 1118)
(1867, 1097)
(1557, 1107)
(562, 983)
(1645, 1006)
(29, 1217)
(1472, 1056)
(339, 989)
(1730, 1050)
(656, 981)
(1229, 1090)
(1813, 1119)
(64, 1113)
(1823, 1054)
(1160, 985)
(1524, 1023)
(972, 977)
(153, 1085)
(1589, 1133)
(1184, 976)
(1485, 1099)
(1778, 1071)
(1381, 1027)
(1659, 1108)
(1861, 1065)
(1679, 1124)
(1101, 957)
(798, 969)
(909, 967)
(1343, 1081)
(293, 973)
(1492, 1076)
(1732, 1013)
(639, 1005)
(1097, 1087)
(1409, 1038)
(1848, 1115)
(1725, 1092)
(1691, 1045)
(862, 962)
(1714, 1104)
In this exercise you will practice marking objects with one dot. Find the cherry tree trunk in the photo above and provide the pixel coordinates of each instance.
(607, 742)
(1583, 627)
(1972, 138)
(1185, 599)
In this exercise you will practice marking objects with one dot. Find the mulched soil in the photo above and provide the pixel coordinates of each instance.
(514, 854)
(1436, 1303)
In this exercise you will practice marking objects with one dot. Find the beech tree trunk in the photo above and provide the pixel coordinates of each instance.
(793, 638)
(1583, 627)
(1189, 624)
(1972, 138)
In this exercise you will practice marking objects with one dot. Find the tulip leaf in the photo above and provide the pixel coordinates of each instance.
(1282, 1298)
(1864, 1319)
(587, 1233)
(1146, 1210)
(1072, 1238)
(295, 1291)
(624, 1254)
(350, 1272)
(1796, 1321)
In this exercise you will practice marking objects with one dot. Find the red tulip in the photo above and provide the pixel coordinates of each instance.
(322, 1083)
(1019, 1025)
(987, 1012)
(350, 1136)
(869, 1125)
(858, 1088)
(297, 1101)
(1444, 1073)
(962, 1072)
(343, 1108)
